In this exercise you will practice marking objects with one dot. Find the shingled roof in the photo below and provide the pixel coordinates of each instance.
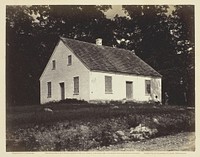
(109, 59)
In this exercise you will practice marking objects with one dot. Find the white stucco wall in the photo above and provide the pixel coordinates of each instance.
(64, 73)
(97, 87)
(91, 83)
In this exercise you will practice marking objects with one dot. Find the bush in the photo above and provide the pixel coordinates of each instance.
(133, 120)
(71, 101)
(96, 127)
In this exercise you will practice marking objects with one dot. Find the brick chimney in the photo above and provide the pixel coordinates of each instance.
(99, 41)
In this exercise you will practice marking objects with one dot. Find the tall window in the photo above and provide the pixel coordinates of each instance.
(76, 85)
(108, 84)
(69, 59)
(48, 89)
(147, 87)
(53, 65)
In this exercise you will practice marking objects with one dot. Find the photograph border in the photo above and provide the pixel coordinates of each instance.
(116, 153)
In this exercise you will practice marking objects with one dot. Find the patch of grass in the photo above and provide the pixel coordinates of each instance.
(85, 126)
(32, 115)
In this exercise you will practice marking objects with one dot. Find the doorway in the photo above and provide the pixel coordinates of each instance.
(129, 90)
(62, 90)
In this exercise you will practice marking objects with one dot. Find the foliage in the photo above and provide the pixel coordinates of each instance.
(72, 128)
(31, 34)
(165, 41)
(30, 115)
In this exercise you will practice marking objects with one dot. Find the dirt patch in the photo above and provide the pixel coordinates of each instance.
(178, 142)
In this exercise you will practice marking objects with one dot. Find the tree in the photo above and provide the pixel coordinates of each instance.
(182, 32)
(18, 34)
(165, 42)
(31, 34)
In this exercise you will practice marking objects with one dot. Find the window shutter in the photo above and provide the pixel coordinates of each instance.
(53, 65)
(108, 84)
(48, 89)
(69, 59)
(76, 85)
(147, 87)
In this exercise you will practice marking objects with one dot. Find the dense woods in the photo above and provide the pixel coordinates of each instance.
(162, 39)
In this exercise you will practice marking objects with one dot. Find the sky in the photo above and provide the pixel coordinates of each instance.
(117, 9)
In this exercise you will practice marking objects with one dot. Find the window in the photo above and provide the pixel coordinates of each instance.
(76, 85)
(147, 87)
(108, 84)
(53, 65)
(48, 89)
(69, 59)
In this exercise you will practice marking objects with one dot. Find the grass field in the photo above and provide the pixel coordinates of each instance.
(82, 126)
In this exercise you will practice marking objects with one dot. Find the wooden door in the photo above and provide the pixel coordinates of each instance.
(129, 90)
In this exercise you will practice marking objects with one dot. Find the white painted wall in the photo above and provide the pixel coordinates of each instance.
(91, 84)
(97, 87)
(64, 73)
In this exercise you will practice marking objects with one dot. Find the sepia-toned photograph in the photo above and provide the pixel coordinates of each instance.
(100, 78)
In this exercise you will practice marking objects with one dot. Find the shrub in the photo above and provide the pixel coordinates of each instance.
(133, 120)
(71, 101)
(90, 128)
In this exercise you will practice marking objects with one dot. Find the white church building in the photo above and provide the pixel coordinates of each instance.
(93, 72)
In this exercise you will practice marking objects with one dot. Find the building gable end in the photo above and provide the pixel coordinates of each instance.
(49, 61)
(54, 51)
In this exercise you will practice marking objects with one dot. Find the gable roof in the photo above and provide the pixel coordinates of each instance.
(109, 59)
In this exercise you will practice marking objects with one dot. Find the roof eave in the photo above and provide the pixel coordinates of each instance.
(125, 73)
